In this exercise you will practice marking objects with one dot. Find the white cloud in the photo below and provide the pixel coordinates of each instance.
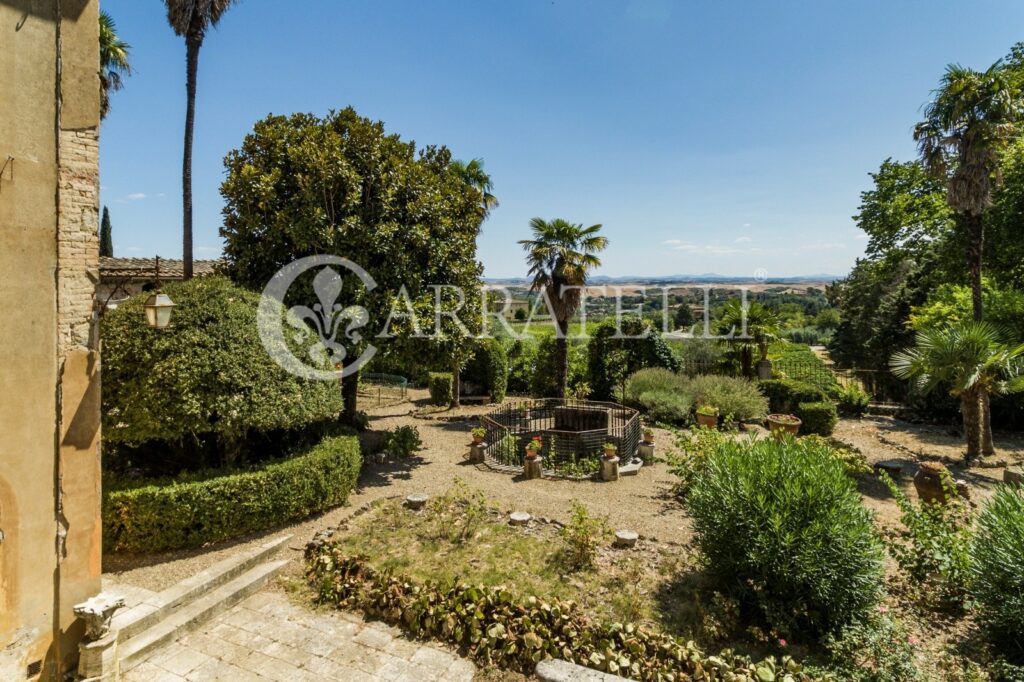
(131, 249)
(823, 246)
(743, 240)
(672, 241)
(746, 224)
(136, 196)
(706, 249)
(208, 249)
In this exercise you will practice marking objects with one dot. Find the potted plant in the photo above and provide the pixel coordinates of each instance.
(779, 424)
(479, 433)
(533, 447)
(707, 415)
(610, 450)
(649, 435)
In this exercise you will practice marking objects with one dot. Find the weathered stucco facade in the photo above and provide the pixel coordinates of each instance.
(49, 366)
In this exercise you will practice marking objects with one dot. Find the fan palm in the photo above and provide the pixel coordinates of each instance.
(191, 19)
(973, 362)
(113, 61)
(966, 125)
(473, 174)
(561, 256)
(757, 326)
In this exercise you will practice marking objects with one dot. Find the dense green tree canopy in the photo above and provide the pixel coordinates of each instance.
(302, 185)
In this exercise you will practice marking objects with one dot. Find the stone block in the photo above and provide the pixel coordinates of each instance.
(609, 468)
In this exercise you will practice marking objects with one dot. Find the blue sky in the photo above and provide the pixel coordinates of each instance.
(705, 135)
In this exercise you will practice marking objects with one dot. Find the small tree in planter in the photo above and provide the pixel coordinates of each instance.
(780, 424)
(533, 448)
(707, 415)
(610, 450)
(479, 433)
(649, 435)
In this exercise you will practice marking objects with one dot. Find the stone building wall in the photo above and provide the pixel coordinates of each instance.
(50, 531)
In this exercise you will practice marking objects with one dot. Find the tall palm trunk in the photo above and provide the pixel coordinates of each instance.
(987, 446)
(974, 227)
(970, 406)
(562, 358)
(192, 45)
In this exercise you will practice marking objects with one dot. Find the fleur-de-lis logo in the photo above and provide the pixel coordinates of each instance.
(334, 324)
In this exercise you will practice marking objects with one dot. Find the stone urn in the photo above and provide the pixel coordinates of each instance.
(780, 424)
(928, 482)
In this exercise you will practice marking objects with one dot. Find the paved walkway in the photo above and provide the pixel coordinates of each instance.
(266, 637)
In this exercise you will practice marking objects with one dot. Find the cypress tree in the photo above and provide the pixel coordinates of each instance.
(106, 238)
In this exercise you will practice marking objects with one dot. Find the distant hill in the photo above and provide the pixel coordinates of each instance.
(684, 279)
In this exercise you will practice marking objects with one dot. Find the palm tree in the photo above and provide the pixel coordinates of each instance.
(113, 62)
(966, 125)
(191, 18)
(757, 326)
(561, 256)
(972, 361)
(473, 174)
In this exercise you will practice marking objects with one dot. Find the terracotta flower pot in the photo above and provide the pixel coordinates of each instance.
(709, 420)
(649, 439)
(609, 453)
(778, 425)
(477, 440)
(928, 482)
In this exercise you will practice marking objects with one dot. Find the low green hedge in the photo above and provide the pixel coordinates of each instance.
(818, 417)
(785, 394)
(442, 387)
(190, 514)
(501, 629)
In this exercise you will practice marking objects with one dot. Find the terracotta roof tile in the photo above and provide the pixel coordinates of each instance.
(145, 268)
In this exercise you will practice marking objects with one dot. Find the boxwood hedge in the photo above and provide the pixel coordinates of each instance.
(188, 514)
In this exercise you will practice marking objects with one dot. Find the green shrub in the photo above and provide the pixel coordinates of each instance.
(852, 401)
(666, 407)
(782, 527)
(998, 569)
(609, 358)
(543, 383)
(442, 388)
(785, 394)
(499, 628)
(160, 517)
(877, 649)
(933, 549)
(693, 448)
(798, 362)
(581, 537)
(736, 398)
(403, 441)
(489, 369)
(852, 459)
(818, 418)
(522, 358)
(208, 373)
(811, 336)
(654, 379)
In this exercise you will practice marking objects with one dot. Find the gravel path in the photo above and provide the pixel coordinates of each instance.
(642, 503)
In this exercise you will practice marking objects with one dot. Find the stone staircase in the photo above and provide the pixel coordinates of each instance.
(153, 619)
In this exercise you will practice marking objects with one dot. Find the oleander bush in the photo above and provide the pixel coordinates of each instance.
(499, 628)
(781, 527)
(173, 515)
(442, 388)
(819, 418)
(997, 554)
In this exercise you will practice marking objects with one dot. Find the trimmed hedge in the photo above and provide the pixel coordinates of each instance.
(610, 353)
(500, 628)
(442, 387)
(160, 517)
(818, 418)
(784, 395)
(489, 368)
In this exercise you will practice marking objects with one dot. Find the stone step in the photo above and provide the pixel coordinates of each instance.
(143, 614)
(190, 616)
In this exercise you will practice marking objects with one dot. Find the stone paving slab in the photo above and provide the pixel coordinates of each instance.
(266, 637)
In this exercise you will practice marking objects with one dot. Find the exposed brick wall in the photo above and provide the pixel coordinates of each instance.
(78, 248)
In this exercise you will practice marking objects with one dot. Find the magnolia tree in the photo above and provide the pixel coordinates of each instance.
(302, 185)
